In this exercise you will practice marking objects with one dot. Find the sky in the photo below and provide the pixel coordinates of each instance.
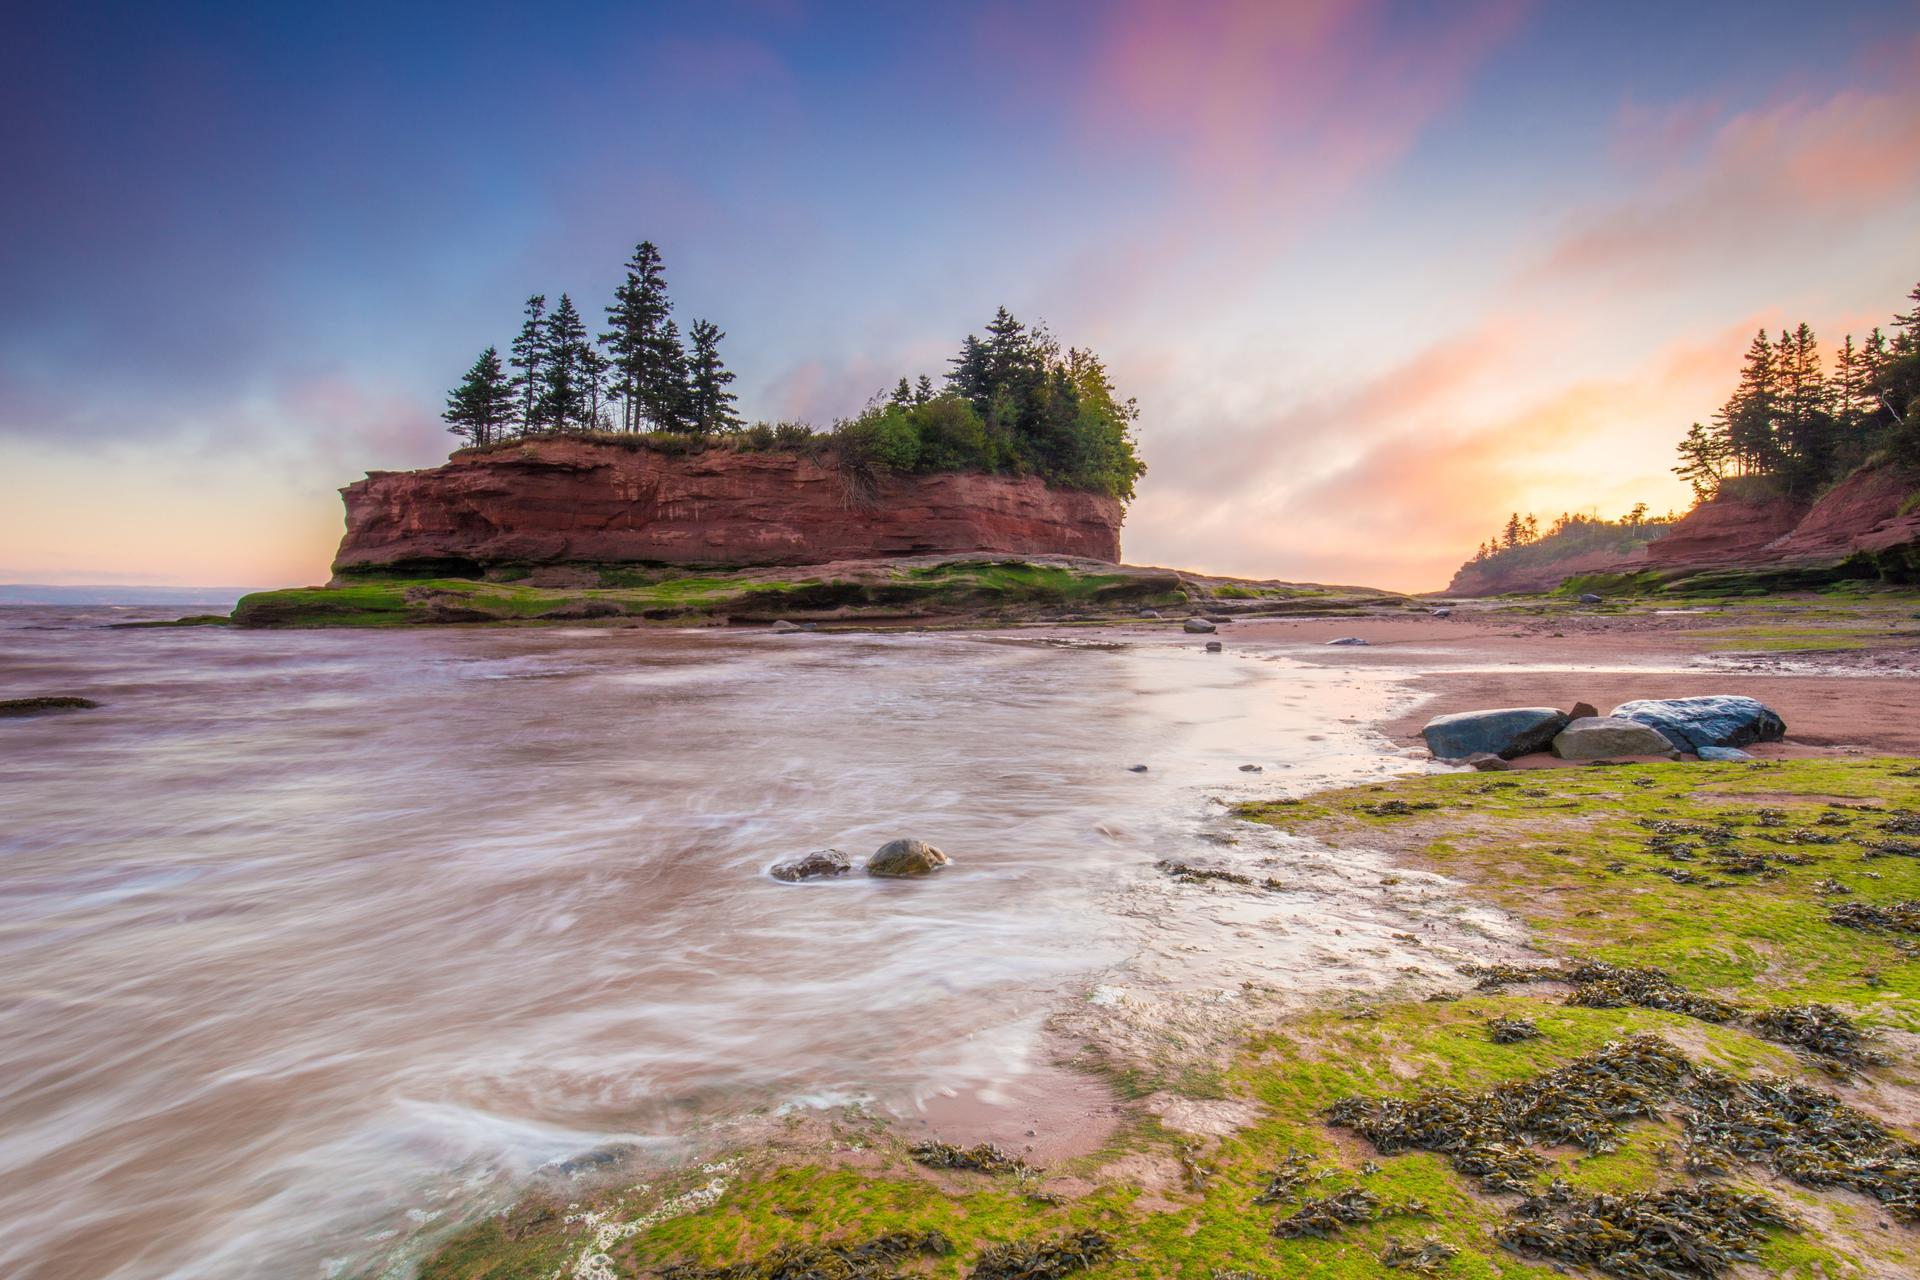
(1377, 274)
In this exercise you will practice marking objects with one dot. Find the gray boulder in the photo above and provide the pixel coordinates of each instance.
(1719, 720)
(1197, 626)
(1347, 640)
(818, 865)
(1150, 613)
(1443, 613)
(783, 627)
(1725, 755)
(1590, 598)
(1603, 737)
(1507, 732)
(905, 858)
(1214, 646)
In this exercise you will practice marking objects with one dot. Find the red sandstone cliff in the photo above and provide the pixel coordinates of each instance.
(558, 501)
(1859, 519)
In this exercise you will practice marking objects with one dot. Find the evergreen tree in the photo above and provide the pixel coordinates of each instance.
(923, 390)
(971, 377)
(902, 392)
(562, 404)
(1514, 533)
(594, 368)
(481, 407)
(640, 309)
(663, 385)
(710, 404)
(528, 355)
(1703, 460)
(1749, 416)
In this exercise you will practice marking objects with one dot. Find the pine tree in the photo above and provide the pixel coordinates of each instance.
(902, 392)
(528, 355)
(1748, 417)
(594, 368)
(923, 390)
(562, 404)
(971, 375)
(1511, 536)
(640, 308)
(663, 385)
(1703, 460)
(709, 403)
(482, 405)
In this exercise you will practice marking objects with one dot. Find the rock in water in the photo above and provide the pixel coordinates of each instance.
(1603, 737)
(905, 858)
(1590, 598)
(817, 865)
(1347, 640)
(42, 705)
(1720, 720)
(1507, 732)
(1725, 755)
(1197, 626)
(1136, 768)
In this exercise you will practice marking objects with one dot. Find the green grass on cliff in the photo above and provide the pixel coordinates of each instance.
(1566, 851)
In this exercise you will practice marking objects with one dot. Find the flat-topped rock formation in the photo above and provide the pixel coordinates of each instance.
(561, 501)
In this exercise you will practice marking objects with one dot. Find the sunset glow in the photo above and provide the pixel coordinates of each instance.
(1376, 275)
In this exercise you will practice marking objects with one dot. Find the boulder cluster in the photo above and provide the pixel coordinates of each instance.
(896, 859)
(1708, 728)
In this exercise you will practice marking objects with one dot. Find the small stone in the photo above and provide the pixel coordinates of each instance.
(1348, 640)
(1590, 598)
(1136, 768)
(1485, 762)
(905, 858)
(1197, 626)
(1443, 613)
(819, 864)
(1726, 755)
(1214, 646)
(1150, 613)
(1252, 768)
(782, 627)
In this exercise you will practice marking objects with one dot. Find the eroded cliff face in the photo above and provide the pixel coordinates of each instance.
(576, 501)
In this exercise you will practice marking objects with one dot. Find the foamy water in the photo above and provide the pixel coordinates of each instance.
(313, 942)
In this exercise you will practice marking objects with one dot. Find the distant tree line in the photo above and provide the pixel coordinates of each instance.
(1521, 541)
(637, 375)
(1801, 427)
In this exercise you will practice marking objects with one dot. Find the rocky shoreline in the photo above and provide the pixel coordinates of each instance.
(1219, 1102)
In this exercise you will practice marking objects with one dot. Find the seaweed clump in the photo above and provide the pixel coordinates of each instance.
(1422, 1259)
(35, 706)
(983, 1157)
(876, 1259)
(1701, 1230)
(1821, 1030)
(1487, 1135)
(1512, 1030)
(1896, 917)
(1599, 985)
(1044, 1259)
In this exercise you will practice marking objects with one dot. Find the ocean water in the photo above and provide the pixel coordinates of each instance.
(312, 943)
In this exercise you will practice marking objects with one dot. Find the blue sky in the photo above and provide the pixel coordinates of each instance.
(1377, 274)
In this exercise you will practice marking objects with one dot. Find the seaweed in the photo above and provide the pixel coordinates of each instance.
(1325, 1216)
(1512, 1030)
(1599, 985)
(1822, 1030)
(1293, 1172)
(1422, 1259)
(1044, 1259)
(983, 1157)
(1397, 808)
(1187, 873)
(1898, 917)
(876, 1259)
(1701, 1230)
